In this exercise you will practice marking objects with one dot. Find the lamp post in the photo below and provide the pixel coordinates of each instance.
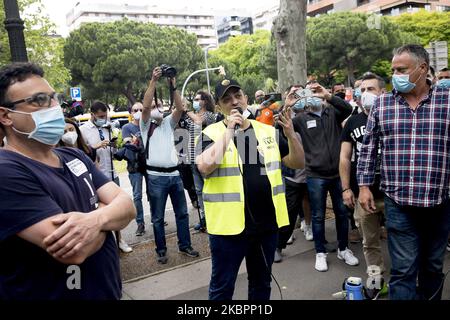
(14, 26)
(206, 65)
(221, 71)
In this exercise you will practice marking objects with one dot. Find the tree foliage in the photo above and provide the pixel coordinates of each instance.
(352, 42)
(250, 59)
(43, 47)
(428, 26)
(117, 58)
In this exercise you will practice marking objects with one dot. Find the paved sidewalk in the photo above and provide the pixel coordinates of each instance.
(295, 274)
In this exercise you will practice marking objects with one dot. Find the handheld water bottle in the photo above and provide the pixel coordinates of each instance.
(354, 288)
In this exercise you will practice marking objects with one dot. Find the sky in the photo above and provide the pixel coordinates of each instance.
(57, 9)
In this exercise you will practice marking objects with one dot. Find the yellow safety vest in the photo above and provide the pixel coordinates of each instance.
(223, 190)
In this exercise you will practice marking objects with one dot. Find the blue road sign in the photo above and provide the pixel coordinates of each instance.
(75, 93)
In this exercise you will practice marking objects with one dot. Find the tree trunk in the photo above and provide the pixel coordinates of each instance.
(128, 92)
(289, 30)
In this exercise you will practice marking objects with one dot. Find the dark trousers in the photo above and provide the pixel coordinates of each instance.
(188, 180)
(417, 238)
(227, 253)
(295, 193)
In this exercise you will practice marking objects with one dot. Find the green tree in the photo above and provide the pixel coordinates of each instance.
(351, 42)
(428, 26)
(43, 46)
(117, 58)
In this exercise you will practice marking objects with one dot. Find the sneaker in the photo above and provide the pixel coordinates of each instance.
(348, 257)
(162, 257)
(201, 226)
(189, 252)
(278, 257)
(354, 236)
(321, 262)
(308, 233)
(448, 245)
(302, 225)
(124, 246)
(140, 230)
(291, 239)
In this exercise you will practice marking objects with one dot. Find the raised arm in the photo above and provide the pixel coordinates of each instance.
(149, 94)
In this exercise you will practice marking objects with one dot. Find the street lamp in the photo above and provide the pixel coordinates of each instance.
(221, 72)
(14, 26)
(206, 64)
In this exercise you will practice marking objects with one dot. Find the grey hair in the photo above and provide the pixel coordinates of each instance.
(416, 51)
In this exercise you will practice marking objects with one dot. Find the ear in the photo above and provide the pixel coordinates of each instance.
(4, 118)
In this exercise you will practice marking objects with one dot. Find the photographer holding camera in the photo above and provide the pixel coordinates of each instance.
(162, 160)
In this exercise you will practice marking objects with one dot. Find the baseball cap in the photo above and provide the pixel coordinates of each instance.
(223, 85)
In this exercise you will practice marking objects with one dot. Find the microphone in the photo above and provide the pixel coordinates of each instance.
(237, 126)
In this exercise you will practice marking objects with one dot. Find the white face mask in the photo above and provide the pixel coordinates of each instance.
(70, 137)
(137, 115)
(368, 100)
(156, 115)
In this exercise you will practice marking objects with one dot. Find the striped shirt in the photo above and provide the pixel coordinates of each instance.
(195, 130)
(415, 147)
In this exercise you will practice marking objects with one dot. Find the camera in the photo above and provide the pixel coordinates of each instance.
(271, 98)
(168, 71)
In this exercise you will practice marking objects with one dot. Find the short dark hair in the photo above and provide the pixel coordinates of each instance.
(294, 85)
(443, 70)
(16, 72)
(99, 106)
(209, 102)
(371, 76)
(415, 50)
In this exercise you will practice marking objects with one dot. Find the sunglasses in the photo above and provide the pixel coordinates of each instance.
(42, 99)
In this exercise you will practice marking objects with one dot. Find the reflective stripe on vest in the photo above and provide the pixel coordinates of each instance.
(278, 189)
(274, 165)
(221, 197)
(225, 172)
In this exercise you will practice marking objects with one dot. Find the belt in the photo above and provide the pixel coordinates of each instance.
(160, 169)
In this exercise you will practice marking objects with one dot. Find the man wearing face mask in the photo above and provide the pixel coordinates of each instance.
(320, 129)
(131, 135)
(444, 78)
(55, 238)
(163, 176)
(411, 124)
(98, 133)
(371, 87)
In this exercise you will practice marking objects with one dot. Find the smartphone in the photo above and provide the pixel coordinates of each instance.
(303, 93)
(273, 97)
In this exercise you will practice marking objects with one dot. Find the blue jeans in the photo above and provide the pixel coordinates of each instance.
(136, 184)
(198, 183)
(227, 253)
(162, 187)
(318, 189)
(417, 238)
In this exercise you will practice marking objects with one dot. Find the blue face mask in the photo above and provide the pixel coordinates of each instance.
(299, 105)
(49, 125)
(402, 84)
(314, 102)
(196, 105)
(357, 93)
(100, 122)
(444, 84)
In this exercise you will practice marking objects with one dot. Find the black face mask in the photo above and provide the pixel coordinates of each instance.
(340, 95)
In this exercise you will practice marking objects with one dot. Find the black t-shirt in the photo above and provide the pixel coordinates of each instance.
(30, 192)
(353, 132)
(259, 209)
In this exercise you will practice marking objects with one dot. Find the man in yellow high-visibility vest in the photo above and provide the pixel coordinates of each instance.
(243, 194)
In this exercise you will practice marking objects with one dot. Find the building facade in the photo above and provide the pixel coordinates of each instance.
(197, 21)
(233, 26)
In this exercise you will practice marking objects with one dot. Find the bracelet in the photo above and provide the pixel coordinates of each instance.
(346, 190)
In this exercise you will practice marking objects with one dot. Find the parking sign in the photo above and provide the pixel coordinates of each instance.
(75, 93)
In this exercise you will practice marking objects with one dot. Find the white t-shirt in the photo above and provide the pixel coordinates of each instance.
(161, 148)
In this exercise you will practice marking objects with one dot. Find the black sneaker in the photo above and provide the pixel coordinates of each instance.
(189, 252)
(140, 229)
(162, 258)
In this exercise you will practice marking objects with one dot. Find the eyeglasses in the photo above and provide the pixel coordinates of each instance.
(42, 99)
(136, 110)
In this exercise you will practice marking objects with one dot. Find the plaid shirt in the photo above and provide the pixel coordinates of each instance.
(415, 147)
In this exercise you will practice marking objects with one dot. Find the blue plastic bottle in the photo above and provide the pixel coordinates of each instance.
(354, 288)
